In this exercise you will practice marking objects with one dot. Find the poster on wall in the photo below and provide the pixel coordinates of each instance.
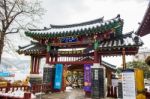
(58, 76)
(115, 82)
(87, 77)
(128, 84)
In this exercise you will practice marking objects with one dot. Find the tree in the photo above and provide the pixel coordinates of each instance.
(119, 71)
(141, 65)
(147, 60)
(16, 15)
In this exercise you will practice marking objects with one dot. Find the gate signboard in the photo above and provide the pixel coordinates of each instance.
(128, 84)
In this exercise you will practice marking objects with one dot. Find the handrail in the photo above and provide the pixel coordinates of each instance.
(14, 87)
(34, 88)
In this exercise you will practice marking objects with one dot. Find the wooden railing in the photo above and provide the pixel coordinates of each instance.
(41, 88)
(13, 88)
(26, 96)
(34, 89)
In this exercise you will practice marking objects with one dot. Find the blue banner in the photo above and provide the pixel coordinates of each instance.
(5, 74)
(58, 76)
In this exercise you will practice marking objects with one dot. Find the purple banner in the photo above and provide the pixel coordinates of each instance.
(87, 77)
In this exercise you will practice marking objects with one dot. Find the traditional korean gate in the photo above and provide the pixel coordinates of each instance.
(94, 39)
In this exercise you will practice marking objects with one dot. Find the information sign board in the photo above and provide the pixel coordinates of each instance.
(128, 84)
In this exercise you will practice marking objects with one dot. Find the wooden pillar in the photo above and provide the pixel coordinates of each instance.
(31, 65)
(56, 58)
(123, 58)
(35, 65)
(51, 58)
(100, 59)
(64, 77)
(27, 95)
(47, 57)
(38, 65)
(109, 77)
(97, 59)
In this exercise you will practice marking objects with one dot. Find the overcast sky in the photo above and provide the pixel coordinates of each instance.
(75, 11)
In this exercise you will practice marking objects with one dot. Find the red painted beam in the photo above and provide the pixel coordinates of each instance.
(117, 53)
(73, 62)
(129, 51)
(76, 55)
(71, 44)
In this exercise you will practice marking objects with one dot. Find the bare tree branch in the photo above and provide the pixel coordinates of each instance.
(12, 32)
(12, 13)
(3, 25)
(12, 8)
(12, 19)
(1, 16)
(5, 10)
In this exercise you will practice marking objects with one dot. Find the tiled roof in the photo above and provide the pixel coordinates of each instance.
(126, 40)
(92, 22)
(122, 41)
(33, 48)
(104, 63)
(144, 27)
(109, 65)
(94, 26)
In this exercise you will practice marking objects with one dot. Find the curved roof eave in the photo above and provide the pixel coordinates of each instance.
(144, 27)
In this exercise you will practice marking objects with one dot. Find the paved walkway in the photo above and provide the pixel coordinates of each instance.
(74, 94)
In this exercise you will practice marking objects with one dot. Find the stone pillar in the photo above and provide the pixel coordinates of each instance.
(98, 81)
(120, 92)
(35, 79)
(48, 75)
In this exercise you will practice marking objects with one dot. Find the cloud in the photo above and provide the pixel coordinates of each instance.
(77, 10)
(63, 9)
(139, 1)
